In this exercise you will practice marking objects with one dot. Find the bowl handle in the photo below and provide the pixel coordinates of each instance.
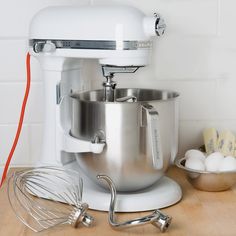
(152, 121)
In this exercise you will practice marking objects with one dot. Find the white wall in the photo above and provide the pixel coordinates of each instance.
(196, 57)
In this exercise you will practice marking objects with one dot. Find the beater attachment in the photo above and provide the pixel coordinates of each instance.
(157, 218)
(46, 197)
(109, 85)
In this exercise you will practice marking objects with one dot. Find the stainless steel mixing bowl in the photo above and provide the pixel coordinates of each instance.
(140, 129)
(208, 181)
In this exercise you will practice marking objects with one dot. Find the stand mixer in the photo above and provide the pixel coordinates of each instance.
(119, 37)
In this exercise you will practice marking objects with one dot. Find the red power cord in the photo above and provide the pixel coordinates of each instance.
(22, 113)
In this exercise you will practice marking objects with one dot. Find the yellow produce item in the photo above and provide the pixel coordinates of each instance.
(226, 143)
(210, 137)
(235, 149)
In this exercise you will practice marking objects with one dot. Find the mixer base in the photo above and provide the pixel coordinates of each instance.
(164, 193)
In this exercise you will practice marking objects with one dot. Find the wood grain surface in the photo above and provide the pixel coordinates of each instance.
(197, 214)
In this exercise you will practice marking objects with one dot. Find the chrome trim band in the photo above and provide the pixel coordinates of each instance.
(38, 44)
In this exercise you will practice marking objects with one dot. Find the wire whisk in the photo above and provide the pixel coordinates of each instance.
(46, 197)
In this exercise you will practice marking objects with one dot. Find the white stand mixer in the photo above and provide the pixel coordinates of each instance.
(60, 37)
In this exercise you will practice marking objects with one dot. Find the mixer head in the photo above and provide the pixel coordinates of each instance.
(118, 36)
(115, 35)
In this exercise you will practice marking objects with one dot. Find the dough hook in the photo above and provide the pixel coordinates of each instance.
(157, 218)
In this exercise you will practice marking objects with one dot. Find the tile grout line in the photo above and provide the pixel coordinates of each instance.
(19, 82)
(12, 38)
(25, 124)
(218, 25)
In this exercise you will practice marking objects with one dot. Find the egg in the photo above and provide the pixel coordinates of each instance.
(213, 161)
(228, 164)
(195, 163)
(193, 153)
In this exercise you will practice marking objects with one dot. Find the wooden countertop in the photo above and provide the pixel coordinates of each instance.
(197, 214)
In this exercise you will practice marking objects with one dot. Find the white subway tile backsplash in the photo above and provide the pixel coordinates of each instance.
(197, 99)
(192, 17)
(15, 16)
(181, 57)
(35, 109)
(13, 57)
(36, 73)
(190, 135)
(29, 146)
(204, 100)
(192, 58)
(11, 97)
(35, 143)
(226, 99)
(21, 154)
(227, 18)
